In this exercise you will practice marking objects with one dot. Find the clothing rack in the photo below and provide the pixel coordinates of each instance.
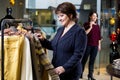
(2, 38)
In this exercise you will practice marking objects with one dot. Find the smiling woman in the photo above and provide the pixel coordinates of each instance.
(67, 57)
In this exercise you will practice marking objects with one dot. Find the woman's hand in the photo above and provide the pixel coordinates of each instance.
(59, 70)
(40, 36)
(99, 45)
(91, 23)
(90, 28)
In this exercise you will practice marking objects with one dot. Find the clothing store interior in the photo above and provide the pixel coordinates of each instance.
(22, 55)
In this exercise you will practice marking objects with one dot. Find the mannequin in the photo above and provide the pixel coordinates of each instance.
(8, 15)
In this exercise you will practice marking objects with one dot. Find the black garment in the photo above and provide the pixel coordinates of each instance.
(8, 16)
(68, 51)
(114, 54)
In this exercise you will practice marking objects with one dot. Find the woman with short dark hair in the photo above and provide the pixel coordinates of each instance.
(68, 45)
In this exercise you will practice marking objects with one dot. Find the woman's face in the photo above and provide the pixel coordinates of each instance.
(63, 18)
(93, 17)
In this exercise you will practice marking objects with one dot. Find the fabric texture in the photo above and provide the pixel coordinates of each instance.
(13, 51)
(42, 58)
(26, 71)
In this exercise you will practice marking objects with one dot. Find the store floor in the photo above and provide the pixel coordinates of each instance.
(99, 74)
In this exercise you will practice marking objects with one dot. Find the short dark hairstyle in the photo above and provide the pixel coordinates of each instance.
(68, 9)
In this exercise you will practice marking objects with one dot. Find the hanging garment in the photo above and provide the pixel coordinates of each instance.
(42, 58)
(13, 51)
(26, 71)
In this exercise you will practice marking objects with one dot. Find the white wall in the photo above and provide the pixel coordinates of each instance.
(44, 4)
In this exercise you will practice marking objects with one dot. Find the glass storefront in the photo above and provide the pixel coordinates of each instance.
(108, 11)
(42, 18)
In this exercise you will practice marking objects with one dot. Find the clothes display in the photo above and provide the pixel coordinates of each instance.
(13, 57)
(40, 58)
(24, 57)
(26, 71)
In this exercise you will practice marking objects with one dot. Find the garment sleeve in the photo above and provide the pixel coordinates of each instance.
(80, 40)
(46, 44)
(43, 58)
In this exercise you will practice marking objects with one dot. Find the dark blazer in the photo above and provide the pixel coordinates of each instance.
(68, 51)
